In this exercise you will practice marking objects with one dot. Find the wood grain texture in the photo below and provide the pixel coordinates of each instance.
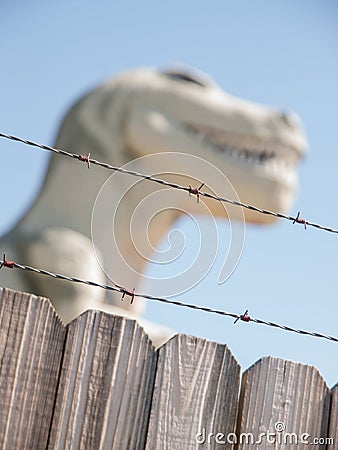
(99, 384)
(333, 427)
(31, 343)
(107, 377)
(196, 391)
(275, 394)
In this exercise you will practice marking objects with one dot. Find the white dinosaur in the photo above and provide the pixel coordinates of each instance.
(135, 114)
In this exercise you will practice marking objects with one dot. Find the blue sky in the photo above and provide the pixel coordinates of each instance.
(281, 53)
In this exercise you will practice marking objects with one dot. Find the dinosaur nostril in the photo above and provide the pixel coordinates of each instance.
(291, 119)
(286, 118)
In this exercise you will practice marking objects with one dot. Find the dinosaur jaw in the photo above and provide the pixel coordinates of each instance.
(262, 171)
(245, 149)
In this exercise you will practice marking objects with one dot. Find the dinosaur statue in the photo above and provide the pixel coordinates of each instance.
(135, 114)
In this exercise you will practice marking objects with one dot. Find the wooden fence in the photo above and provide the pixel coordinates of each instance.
(98, 383)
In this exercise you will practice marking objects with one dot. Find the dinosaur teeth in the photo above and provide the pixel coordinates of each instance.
(221, 142)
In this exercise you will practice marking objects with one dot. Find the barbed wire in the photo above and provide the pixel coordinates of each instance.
(132, 294)
(189, 189)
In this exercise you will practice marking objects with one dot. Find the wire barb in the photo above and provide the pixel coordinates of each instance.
(194, 191)
(85, 158)
(244, 317)
(298, 219)
(125, 292)
(5, 263)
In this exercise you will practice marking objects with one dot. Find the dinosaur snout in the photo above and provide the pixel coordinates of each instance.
(292, 129)
(291, 119)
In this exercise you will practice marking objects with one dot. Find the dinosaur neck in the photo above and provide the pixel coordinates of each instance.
(67, 199)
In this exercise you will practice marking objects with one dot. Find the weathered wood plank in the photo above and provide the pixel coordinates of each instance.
(333, 427)
(195, 395)
(281, 397)
(102, 386)
(31, 343)
(107, 377)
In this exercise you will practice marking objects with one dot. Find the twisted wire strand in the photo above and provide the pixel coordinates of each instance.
(244, 317)
(188, 189)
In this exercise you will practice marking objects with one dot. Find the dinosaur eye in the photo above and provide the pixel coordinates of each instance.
(184, 76)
